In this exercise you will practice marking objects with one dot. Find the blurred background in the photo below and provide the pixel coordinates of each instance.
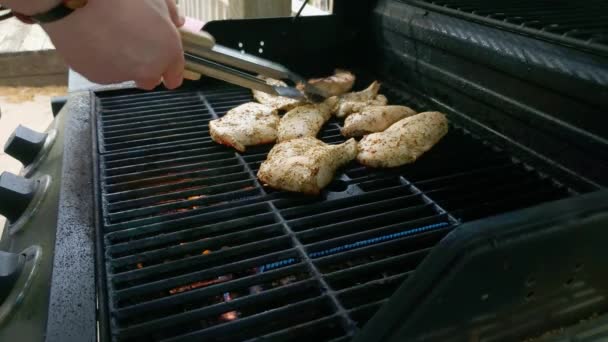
(237, 9)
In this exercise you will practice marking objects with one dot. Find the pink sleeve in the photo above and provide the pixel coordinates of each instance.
(193, 25)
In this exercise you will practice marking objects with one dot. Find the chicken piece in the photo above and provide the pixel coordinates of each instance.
(305, 165)
(246, 125)
(346, 108)
(403, 142)
(339, 83)
(352, 102)
(306, 120)
(374, 119)
(274, 101)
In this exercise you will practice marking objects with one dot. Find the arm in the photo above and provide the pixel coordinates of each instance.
(111, 41)
(30, 7)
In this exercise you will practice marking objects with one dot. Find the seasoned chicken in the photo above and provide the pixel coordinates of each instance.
(306, 120)
(274, 101)
(403, 142)
(305, 165)
(346, 108)
(246, 125)
(354, 102)
(374, 119)
(339, 83)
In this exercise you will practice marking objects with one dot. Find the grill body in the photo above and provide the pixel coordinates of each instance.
(190, 245)
(179, 211)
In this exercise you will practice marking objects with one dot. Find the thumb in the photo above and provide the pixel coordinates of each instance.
(177, 19)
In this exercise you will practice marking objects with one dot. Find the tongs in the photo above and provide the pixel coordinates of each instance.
(204, 56)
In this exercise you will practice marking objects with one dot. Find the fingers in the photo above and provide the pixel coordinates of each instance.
(174, 76)
(148, 84)
(176, 18)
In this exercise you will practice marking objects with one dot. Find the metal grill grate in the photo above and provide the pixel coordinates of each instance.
(580, 24)
(196, 248)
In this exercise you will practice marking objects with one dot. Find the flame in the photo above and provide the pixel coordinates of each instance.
(231, 315)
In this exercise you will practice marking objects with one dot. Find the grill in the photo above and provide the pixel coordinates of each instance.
(195, 248)
(564, 22)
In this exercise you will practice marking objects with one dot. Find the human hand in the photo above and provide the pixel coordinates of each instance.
(111, 41)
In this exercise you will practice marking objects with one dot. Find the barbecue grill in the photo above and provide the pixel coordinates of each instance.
(496, 234)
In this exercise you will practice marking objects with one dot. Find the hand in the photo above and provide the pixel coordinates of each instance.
(111, 41)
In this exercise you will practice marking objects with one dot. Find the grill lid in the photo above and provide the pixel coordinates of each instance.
(578, 24)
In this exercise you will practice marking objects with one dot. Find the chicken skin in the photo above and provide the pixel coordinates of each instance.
(306, 120)
(274, 101)
(305, 165)
(339, 83)
(246, 125)
(374, 119)
(403, 142)
(353, 102)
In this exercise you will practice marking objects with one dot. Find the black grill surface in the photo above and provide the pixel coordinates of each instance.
(195, 248)
(582, 24)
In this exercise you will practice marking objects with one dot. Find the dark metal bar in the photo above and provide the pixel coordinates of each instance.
(188, 278)
(244, 324)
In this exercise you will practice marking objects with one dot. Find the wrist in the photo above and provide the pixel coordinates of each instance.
(30, 7)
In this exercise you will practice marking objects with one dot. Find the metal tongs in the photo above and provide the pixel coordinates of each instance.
(204, 56)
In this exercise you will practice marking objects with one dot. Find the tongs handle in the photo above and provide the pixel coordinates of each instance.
(205, 57)
(202, 44)
(191, 40)
(197, 40)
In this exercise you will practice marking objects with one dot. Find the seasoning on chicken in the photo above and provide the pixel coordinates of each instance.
(274, 101)
(305, 165)
(352, 102)
(306, 120)
(346, 108)
(403, 142)
(246, 125)
(339, 83)
(374, 119)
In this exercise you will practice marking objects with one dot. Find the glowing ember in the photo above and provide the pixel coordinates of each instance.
(193, 286)
(206, 252)
(192, 198)
(140, 265)
(231, 315)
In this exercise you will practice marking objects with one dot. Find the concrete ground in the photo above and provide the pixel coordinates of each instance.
(25, 106)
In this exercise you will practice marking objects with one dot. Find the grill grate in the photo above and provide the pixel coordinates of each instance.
(196, 248)
(579, 24)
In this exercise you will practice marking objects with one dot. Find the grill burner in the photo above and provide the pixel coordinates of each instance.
(196, 248)
(564, 22)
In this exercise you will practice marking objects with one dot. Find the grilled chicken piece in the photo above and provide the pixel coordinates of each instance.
(305, 165)
(403, 142)
(352, 102)
(306, 120)
(374, 119)
(339, 83)
(346, 108)
(274, 101)
(246, 125)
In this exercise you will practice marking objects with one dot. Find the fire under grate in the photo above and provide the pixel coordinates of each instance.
(195, 248)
